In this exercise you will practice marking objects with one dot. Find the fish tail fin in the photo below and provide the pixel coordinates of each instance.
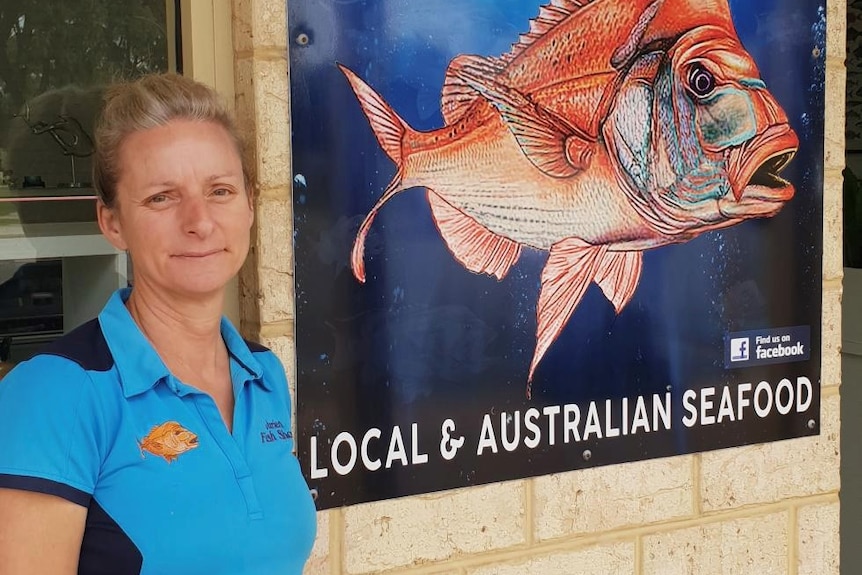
(387, 125)
(141, 448)
(390, 131)
(357, 255)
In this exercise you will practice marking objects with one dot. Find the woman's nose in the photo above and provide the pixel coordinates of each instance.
(196, 216)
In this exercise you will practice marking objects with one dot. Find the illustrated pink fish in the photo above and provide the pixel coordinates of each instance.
(612, 127)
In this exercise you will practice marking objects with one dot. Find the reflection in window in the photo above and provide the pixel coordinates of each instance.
(55, 59)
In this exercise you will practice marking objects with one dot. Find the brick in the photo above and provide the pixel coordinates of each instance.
(833, 225)
(272, 123)
(263, 117)
(275, 295)
(434, 527)
(318, 563)
(244, 105)
(774, 471)
(616, 559)
(259, 23)
(836, 29)
(830, 358)
(601, 499)
(275, 241)
(756, 545)
(819, 541)
(834, 118)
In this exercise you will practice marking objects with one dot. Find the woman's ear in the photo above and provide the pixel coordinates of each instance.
(109, 223)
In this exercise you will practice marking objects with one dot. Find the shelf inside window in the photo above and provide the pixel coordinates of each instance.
(56, 222)
(43, 194)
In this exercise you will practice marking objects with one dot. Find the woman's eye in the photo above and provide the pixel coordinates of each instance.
(700, 80)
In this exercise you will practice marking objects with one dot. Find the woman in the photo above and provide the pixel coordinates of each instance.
(153, 439)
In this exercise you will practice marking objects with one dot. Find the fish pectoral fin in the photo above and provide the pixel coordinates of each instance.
(550, 142)
(457, 95)
(618, 276)
(475, 246)
(572, 265)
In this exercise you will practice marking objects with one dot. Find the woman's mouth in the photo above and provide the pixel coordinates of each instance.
(199, 255)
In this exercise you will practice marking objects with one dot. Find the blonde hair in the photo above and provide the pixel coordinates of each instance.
(149, 102)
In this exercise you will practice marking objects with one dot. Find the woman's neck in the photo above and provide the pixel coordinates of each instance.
(185, 334)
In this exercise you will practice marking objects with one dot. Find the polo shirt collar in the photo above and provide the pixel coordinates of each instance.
(140, 367)
(239, 351)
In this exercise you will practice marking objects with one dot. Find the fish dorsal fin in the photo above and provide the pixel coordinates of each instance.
(572, 265)
(477, 248)
(618, 276)
(549, 16)
(457, 96)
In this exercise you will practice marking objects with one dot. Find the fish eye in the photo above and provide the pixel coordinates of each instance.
(700, 80)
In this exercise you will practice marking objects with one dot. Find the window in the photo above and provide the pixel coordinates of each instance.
(56, 270)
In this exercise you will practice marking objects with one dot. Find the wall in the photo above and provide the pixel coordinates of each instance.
(764, 509)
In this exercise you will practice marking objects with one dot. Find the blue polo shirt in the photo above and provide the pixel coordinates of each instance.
(97, 418)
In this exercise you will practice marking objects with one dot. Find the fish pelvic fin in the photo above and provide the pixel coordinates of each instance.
(388, 127)
(572, 265)
(477, 248)
(552, 144)
(618, 275)
(357, 254)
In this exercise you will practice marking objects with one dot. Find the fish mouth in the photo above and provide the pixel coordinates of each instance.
(758, 166)
(767, 174)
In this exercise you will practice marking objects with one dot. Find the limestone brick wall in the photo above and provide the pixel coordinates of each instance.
(759, 510)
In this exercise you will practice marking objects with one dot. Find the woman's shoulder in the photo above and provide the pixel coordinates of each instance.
(85, 346)
(63, 367)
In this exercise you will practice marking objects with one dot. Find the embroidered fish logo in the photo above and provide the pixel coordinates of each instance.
(612, 127)
(168, 440)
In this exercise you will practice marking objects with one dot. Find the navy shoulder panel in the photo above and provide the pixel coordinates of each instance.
(85, 345)
(46, 486)
(255, 347)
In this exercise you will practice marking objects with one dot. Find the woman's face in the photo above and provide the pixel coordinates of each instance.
(181, 210)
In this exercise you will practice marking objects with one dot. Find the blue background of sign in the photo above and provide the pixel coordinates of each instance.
(424, 339)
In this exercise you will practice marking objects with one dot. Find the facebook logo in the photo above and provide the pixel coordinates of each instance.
(739, 349)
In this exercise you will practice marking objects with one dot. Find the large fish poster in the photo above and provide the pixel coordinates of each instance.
(537, 237)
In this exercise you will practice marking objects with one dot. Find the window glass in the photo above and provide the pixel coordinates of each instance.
(55, 269)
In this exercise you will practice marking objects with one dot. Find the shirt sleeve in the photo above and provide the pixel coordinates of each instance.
(50, 429)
